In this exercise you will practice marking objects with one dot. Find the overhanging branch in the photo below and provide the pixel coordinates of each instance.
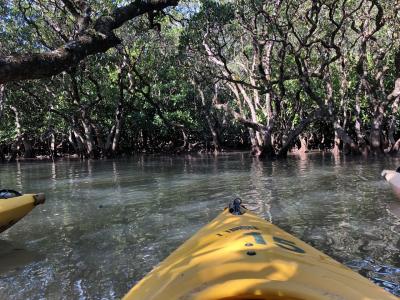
(96, 39)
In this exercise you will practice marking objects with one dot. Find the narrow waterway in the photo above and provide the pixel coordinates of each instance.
(105, 224)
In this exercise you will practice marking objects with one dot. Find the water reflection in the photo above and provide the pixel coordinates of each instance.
(107, 223)
(18, 177)
(261, 193)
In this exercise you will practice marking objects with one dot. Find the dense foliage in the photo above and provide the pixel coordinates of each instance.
(105, 78)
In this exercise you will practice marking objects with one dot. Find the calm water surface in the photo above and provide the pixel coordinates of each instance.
(107, 223)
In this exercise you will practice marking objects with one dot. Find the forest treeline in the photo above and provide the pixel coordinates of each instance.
(107, 78)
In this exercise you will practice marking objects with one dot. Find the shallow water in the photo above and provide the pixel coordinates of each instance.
(105, 224)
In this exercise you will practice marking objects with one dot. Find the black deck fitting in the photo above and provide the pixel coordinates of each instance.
(235, 207)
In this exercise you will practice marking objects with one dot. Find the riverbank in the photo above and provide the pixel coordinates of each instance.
(294, 153)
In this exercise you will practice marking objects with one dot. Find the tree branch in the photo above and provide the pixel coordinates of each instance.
(238, 117)
(295, 132)
(97, 38)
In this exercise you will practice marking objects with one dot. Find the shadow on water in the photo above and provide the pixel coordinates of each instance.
(394, 208)
(13, 256)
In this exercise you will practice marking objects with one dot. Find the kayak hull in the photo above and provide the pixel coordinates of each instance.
(14, 209)
(245, 257)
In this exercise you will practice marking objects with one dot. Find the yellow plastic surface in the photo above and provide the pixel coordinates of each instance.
(216, 264)
(14, 209)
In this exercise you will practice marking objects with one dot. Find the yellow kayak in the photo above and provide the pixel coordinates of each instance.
(241, 256)
(14, 206)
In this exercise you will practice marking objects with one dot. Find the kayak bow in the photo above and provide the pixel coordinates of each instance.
(241, 256)
(14, 207)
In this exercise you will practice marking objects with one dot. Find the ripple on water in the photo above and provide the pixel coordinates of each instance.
(387, 277)
(105, 224)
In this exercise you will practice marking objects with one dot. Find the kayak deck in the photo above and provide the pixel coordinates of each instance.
(245, 257)
(14, 209)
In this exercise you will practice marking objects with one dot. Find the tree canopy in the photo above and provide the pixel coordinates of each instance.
(105, 78)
